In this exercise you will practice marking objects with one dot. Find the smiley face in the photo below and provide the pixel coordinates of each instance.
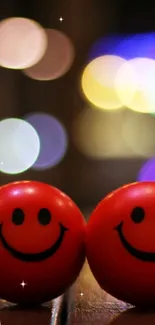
(137, 216)
(42, 236)
(120, 243)
(44, 218)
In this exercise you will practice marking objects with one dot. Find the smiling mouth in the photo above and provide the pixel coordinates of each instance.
(36, 257)
(143, 256)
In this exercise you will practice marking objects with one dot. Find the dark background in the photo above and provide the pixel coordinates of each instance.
(85, 180)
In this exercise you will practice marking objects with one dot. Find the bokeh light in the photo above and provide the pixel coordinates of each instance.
(53, 139)
(126, 46)
(147, 171)
(23, 43)
(98, 82)
(96, 134)
(138, 131)
(135, 85)
(136, 45)
(57, 60)
(19, 146)
(106, 45)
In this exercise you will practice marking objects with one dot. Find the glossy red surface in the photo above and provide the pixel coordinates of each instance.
(42, 248)
(120, 243)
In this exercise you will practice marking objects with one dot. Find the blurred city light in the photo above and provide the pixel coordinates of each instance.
(19, 146)
(98, 82)
(57, 60)
(53, 139)
(23, 43)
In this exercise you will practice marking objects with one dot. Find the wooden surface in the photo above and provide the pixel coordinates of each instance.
(85, 304)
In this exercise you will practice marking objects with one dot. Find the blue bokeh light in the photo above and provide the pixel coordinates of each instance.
(126, 46)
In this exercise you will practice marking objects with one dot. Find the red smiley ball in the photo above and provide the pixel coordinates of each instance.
(120, 243)
(42, 236)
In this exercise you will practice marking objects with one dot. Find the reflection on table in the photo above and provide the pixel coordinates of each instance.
(84, 304)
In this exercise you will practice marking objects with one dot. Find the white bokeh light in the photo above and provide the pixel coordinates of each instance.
(23, 43)
(19, 146)
(134, 84)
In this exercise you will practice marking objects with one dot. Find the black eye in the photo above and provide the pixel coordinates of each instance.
(44, 216)
(18, 217)
(137, 214)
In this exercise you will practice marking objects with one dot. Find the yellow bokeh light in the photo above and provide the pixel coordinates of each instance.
(23, 43)
(98, 82)
(96, 134)
(134, 84)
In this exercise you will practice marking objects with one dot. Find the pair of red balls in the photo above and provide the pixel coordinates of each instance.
(44, 240)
